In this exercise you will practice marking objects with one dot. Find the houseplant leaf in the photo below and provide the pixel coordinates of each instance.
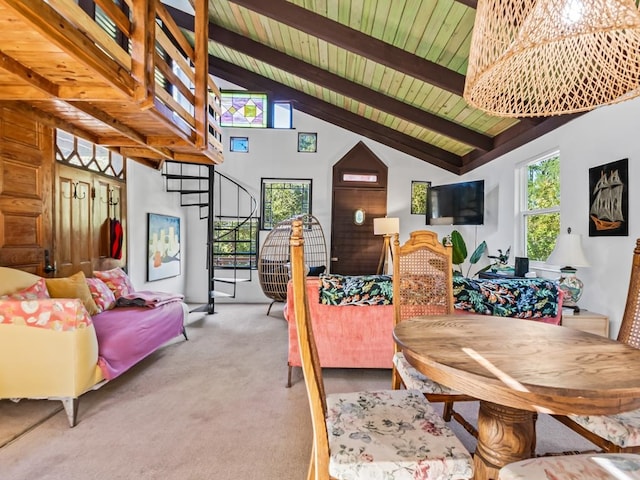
(459, 253)
(478, 252)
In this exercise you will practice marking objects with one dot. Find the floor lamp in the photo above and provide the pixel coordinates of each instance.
(387, 227)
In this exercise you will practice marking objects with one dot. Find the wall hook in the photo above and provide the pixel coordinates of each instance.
(110, 200)
(74, 193)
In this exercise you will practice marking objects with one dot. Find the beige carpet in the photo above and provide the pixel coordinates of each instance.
(214, 407)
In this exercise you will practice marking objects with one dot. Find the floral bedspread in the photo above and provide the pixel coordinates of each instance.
(356, 290)
(520, 298)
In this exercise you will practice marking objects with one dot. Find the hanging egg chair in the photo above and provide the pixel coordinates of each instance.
(273, 261)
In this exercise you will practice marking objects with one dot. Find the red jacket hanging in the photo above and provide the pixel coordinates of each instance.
(116, 239)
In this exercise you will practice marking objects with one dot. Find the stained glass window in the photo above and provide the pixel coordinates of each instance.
(243, 109)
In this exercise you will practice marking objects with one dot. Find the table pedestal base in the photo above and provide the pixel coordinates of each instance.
(505, 435)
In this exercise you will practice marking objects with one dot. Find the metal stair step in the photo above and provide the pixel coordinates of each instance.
(176, 176)
(230, 280)
(217, 294)
(187, 191)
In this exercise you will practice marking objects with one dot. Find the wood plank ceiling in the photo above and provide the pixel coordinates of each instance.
(390, 70)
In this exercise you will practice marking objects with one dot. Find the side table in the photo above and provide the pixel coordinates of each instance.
(587, 321)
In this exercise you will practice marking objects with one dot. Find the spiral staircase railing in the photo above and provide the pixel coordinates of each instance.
(232, 224)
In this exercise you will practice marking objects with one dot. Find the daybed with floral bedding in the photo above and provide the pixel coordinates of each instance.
(352, 316)
(59, 348)
(528, 298)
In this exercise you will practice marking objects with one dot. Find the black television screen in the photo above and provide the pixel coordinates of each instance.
(456, 204)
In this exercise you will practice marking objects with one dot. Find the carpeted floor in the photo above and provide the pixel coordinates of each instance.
(214, 407)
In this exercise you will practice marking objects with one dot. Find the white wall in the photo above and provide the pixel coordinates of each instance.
(596, 138)
(146, 194)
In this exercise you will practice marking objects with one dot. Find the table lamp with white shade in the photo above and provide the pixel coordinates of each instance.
(385, 226)
(568, 253)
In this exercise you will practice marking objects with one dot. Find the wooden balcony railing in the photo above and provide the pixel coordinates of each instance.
(122, 63)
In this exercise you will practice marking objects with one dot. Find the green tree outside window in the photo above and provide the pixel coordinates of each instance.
(542, 207)
(284, 198)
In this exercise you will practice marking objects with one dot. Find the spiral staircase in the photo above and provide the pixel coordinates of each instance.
(232, 224)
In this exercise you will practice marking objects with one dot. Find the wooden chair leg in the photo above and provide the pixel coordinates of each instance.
(396, 381)
(447, 411)
(473, 431)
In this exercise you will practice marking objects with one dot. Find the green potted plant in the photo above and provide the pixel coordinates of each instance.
(460, 253)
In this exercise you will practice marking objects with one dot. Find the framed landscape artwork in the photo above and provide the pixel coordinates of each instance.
(163, 251)
(609, 199)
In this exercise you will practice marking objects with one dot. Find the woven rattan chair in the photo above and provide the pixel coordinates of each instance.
(392, 434)
(620, 432)
(598, 466)
(423, 285)
(273, 261)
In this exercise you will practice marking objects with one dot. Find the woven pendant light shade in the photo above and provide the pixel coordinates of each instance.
(550, 57)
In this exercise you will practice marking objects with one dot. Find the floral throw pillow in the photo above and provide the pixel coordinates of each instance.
(35, 292)
(117, 280)
(102, 294)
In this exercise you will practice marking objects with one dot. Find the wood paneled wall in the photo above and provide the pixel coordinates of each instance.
(26, 163)
(51, 211)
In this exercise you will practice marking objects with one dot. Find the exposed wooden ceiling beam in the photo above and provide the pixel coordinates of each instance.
(337, 116)
(338, 84)
(28, 75)
(120, 127)
(506, 141)
(357, 42)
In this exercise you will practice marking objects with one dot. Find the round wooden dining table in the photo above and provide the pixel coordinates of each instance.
(518, 367)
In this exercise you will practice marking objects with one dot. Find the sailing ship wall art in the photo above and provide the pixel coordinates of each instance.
(609, 199)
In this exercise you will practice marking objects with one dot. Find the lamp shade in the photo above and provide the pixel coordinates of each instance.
(568, 252)
(551, 57)
(386, 226)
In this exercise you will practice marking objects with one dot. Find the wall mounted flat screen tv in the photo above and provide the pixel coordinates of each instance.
(456, 204)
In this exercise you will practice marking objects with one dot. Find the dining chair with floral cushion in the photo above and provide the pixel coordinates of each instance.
(595, 466)
(619, 432)
(423, 285)
(385, 434)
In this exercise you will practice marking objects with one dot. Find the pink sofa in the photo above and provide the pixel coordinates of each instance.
(361, 336)
(347, 336)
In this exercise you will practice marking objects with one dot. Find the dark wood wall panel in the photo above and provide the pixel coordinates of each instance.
(26, 158)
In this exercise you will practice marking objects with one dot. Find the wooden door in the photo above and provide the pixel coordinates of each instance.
(26, 159)
(73, 221)
(85, 204)
(359, 183)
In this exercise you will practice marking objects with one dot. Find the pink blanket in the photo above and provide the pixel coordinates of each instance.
(126, 335)
(146, 298)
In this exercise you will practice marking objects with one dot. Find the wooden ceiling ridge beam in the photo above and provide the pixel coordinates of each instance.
(513, 138)
(338, 116)
(338, 84)
(357, 42)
